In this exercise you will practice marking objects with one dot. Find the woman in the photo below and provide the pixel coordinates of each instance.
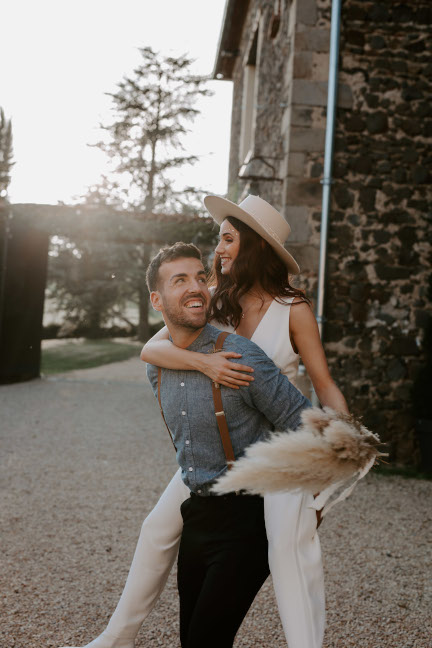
(253, 297)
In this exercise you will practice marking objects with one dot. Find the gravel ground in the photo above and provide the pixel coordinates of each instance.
(85, 457)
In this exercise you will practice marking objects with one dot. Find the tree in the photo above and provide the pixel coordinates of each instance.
(89, 282)
(151, 110)
(6, 154)
(93, 280)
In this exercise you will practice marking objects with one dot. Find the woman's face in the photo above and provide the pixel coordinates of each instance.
(228, 246)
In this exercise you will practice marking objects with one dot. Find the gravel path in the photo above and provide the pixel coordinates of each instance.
(85, 456)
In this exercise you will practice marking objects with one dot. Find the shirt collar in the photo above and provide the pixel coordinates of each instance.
(207, 336)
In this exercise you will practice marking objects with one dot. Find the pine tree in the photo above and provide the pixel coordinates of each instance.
(151, 111)
(6, 154)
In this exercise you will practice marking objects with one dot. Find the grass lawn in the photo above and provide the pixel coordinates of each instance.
(83, 354)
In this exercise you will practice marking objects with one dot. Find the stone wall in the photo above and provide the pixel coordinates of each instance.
(377, 301)
(303, 130)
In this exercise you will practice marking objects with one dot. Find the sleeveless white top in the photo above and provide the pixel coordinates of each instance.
(272, 335)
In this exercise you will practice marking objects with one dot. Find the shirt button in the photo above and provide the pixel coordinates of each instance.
(183, 413)
(190, 469)
(199, 491)
(187, 442)
(181, 384)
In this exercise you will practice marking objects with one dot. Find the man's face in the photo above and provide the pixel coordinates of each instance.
(182, 295)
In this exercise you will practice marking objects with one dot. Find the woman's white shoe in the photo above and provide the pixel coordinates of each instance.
(105, 640)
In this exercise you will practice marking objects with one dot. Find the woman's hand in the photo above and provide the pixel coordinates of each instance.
(217, 367)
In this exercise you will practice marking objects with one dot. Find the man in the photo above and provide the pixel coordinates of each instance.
(223, 551)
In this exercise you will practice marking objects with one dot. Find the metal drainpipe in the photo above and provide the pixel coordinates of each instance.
(332, 93)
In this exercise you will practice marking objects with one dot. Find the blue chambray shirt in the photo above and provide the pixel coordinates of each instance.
(270, 402)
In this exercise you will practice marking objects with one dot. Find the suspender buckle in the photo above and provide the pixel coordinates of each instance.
(220, 413)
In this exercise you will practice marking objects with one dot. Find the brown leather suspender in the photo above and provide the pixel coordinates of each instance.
(218, 406)
(219, 410)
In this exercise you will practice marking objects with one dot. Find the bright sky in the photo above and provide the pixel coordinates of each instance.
(59, 57)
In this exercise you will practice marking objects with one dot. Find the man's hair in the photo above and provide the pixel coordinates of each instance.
(165, 255)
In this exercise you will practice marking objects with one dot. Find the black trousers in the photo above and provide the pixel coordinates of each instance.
(223, 561)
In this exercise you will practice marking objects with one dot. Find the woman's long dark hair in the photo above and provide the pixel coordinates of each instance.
(256, 263)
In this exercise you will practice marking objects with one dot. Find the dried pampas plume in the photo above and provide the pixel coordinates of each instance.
(328, 448)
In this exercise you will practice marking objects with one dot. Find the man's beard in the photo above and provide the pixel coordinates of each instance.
(179, 318)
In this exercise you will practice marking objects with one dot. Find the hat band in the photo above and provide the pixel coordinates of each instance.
(267, 227)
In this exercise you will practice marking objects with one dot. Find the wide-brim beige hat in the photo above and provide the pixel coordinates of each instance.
(261, 217)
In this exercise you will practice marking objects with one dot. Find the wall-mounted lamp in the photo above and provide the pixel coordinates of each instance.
(258, 167)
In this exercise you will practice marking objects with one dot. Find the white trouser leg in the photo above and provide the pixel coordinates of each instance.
(296, 567)
(154, 556)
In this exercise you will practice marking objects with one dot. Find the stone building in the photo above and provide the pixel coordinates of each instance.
(378, 292)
